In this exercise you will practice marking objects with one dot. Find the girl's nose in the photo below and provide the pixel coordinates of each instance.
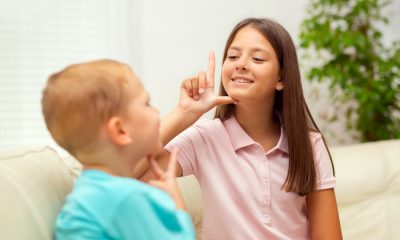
(241, 64)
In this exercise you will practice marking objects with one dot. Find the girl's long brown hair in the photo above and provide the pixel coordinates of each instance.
(289, 103)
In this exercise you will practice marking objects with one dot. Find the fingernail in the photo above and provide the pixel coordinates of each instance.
(201, 90)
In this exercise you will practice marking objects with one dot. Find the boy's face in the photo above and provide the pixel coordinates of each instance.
(144, 120)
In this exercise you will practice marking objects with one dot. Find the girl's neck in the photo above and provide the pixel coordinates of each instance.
(259, 124)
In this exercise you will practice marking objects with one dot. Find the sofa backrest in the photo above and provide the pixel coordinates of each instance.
(35, 181)
(33, 186)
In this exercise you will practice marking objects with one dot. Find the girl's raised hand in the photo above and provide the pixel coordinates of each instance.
(197, 93)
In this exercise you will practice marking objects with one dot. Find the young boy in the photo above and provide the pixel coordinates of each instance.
(99, 112)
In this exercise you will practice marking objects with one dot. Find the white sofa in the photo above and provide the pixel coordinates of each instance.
(35, 181)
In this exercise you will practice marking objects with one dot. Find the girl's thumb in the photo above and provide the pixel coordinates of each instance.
(221, 100)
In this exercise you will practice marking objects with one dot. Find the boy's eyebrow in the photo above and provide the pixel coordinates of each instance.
(148, 98)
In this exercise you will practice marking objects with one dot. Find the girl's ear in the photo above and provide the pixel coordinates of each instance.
(279, 85)
(117, 131)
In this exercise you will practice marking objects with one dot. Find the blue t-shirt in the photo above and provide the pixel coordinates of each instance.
(102, 206)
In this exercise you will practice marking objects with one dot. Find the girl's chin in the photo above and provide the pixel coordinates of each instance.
(237, 95)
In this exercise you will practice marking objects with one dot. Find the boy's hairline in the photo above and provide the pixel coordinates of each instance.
(73, 71)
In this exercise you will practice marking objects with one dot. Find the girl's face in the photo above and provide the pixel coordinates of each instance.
(251, 68)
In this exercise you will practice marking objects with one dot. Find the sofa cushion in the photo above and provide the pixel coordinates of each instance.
(191, 193)
(33, 186)
(368, 189)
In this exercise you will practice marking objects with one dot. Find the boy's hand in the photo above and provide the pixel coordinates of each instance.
(166, 180)
(197, 93)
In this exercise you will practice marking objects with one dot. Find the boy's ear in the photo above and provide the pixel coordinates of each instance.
(117, 131)
(279, 85)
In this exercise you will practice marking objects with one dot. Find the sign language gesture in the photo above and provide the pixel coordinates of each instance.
(166, 180)
(197, 93)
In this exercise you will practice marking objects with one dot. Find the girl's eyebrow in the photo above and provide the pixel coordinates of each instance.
(234, 48)
(252, 49)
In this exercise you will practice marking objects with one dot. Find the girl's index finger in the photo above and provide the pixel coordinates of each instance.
(211, 69)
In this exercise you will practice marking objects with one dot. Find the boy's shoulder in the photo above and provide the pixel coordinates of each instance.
(100, 200)
(99, 185)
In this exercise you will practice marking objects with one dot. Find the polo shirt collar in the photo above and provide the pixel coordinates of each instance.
(282, 143)
(240, 139)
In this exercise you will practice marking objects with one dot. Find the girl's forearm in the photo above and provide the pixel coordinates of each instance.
(176, 122)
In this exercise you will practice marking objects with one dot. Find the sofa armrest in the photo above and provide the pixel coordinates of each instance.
(33, 186)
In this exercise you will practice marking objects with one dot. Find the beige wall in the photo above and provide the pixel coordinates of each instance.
(164, 42)
(177, 35)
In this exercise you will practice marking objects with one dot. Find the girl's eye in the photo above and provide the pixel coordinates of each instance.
(232, 57)
(258, 59)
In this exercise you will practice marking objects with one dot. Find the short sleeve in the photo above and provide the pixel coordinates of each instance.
(189, 142)
(151, 216)
(325, 178)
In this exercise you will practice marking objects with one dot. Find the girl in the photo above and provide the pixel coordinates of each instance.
(264, 168)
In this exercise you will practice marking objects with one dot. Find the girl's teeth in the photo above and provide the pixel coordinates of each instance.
(241, 81)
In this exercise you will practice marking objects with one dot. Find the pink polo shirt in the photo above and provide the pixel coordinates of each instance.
(241, 184)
